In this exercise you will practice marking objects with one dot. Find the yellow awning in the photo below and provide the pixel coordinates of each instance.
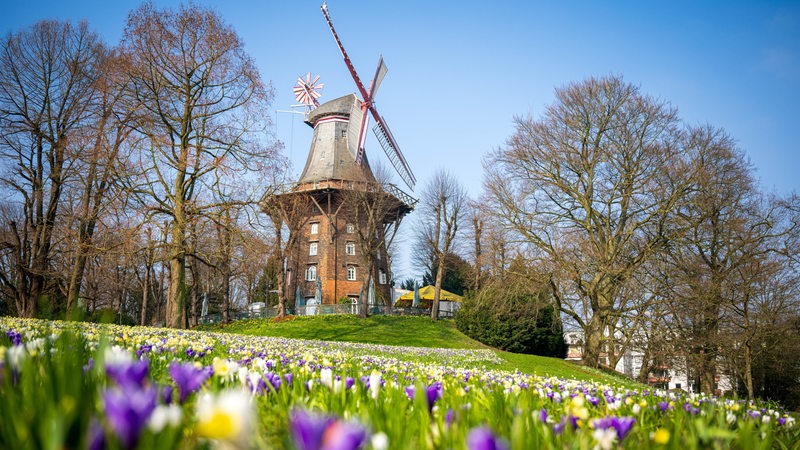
(426, 295)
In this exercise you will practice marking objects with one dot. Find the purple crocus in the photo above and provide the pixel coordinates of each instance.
(307, 430)
(128, 374)
(434, 392)
(321, 432)
(144, 348)
(543, 415)
(127, 412)
(622, 425)
(448, 418)
(410, 392)
(188, 378)
(97, 438)
(16, 338)
(274, 380)
(559, 427)
(573, 421)
(166, 395)
(482, 438)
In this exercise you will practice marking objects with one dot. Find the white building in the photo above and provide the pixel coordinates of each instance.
(670, 376)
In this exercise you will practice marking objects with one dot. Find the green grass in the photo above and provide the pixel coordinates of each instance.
(409, 331)
(388, 330)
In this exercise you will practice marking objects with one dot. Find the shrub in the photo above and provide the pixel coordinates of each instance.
(514, 317)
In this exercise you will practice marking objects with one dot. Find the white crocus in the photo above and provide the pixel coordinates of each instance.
(379, 441)
(605, 438)
(374, 384)
(163, 416)
(226, 417)
(326, 377)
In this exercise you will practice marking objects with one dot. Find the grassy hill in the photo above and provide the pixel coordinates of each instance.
(409, 331)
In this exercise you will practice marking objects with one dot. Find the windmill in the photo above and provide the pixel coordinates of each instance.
(380, 129)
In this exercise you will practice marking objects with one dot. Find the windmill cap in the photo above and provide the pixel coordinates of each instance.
(337, 107)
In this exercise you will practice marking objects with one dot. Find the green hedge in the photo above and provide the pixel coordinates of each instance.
(513, 318)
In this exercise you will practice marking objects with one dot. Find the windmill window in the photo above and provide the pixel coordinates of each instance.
(312, 249)
(381, 276)
(350, 248)
(351, 273)
(378, 254)
(350, 228)
(344, 133)
(314, 228)
(311, 273)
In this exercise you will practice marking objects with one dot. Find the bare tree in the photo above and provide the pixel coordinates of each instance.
(101, 164)
(441, 208)
(726, 262)
(377, 208)
(477, 224)
(47, 74)
(203, 107)
(288, 212)
(591, 186)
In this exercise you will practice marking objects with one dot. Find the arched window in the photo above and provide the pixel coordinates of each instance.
(350, 248)
(312, 249)
(350, 228)
(351, 273)
(311, 273)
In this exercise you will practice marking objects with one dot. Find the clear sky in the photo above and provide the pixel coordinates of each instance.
(460, 71)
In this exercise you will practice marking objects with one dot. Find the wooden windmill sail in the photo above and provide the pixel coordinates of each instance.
(381, 129)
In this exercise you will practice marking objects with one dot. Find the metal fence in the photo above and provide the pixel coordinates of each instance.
(320, 310)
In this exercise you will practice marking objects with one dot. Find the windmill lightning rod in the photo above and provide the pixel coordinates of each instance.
(347, 62)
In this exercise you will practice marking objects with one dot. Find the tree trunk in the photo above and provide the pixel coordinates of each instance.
(437, 289)
(593, 342)
(145, 294)
(645, 367)
(176, 295)
(478, 226)
(226, 296)
(748, 370)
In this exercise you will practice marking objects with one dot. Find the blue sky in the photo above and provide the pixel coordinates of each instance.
(460, 71)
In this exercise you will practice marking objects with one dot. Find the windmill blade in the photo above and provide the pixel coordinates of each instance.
(392, 151)
(348, 63)
(380, 72)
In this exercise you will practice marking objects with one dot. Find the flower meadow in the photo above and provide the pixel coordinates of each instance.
(79, 385)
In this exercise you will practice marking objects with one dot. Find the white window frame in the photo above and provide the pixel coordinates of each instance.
(312, 249)
(350, 248)
(381, 276)
(350, 228)
(351, 273)
(315, 228)
(311, 273)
